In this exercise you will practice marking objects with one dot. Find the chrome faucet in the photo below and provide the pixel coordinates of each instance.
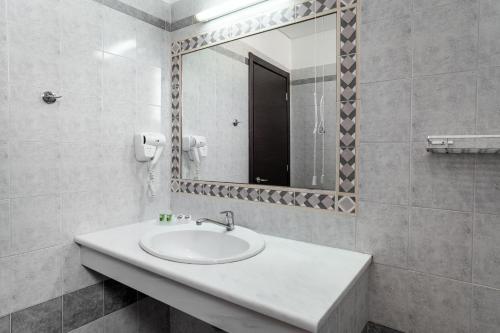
(228, 220)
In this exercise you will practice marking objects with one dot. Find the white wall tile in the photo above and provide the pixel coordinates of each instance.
(5, 228)
(119, 34)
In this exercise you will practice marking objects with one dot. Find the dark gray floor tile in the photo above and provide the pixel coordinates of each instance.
(181, 322)
(82, 306)
(5, 324)
(154, 316)
(117, 296)
(45, 317)
(376, 328)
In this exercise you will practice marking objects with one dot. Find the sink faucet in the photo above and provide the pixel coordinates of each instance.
(228, 221)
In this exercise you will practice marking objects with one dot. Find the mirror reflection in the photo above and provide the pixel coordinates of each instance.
(262, 109)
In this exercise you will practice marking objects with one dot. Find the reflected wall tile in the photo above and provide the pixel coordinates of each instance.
(388, 296)
(386, 111)
(441, 243)
(485, 310)
(485, 268)
(35, 168)
(384, 172)
(445, 39)
(5, 228)
(438, 304)
(382, 231)
(441, 180)
(488, 117)
(386, 58)
(36, 222)
(444, 104)
(487, 185)
(119, 33)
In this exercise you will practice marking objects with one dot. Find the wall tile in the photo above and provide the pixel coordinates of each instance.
(485, 268)
(5, 324)
(75, 275)
(384, 172)
(444, 104)
(4, 88)
(96, 326)
(5, 228)
(4, 170)
(424, 4)
(81, 213)
(488, 117)
(382, 230)
(485, 310)
(182, 322)
(45, 317)
(487, 185)
(80, 170)
(148, 118)
(80, 118)
(441, 180)
(117, 296)
(438, 304)
(331, 230)
(385, 9)
(489, 23)
(84, 79)
(182, 9)
(388, 296)
(82, 306)
(81, 25)
(33, 278)
(34, 168)
(154, 316)
(386, 111)
(441, 243)
(151, 45)
(386, 58)
(122, 321)
(149, 85)
(119, 79)
(119, 33)
(445, 39)
(36, 222)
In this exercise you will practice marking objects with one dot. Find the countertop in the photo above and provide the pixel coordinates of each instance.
(291, 281)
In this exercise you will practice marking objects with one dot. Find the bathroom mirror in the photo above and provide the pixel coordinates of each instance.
(265, 107)
(262, 109)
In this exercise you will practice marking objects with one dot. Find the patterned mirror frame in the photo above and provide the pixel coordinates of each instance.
(345, 198)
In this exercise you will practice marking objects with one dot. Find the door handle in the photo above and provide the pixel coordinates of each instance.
(261, 180)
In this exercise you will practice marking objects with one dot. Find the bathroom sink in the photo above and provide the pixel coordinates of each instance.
(202, 244)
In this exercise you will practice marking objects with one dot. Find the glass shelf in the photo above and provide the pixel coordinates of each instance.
(464, 144)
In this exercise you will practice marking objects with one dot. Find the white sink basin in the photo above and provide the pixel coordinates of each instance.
(206, 244)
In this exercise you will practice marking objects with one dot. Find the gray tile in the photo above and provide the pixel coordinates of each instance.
(81, 25)
(80, 167)
(181, 322)
(488, 185)
(377, 328)
(121, 321)
(386, 111)
(92, 327)
(5, 324)
(151, 45)
(388, 296)
(5, 228)
(386, 58)
(382, 230)
(423, 4)
(485, 310)
(385, 9)
(82, 306)
(154, 316)
(384, 172)
(441, 180)
(438, 304)
(489, 23)
(347, 312)
(45, 317)
(445, 39)
(441, 243)
(117, 296)
(485, 268)
(119, 34)
(488, 117)
(444, 104)
(36, 222)
(75, 275)
(4, 170)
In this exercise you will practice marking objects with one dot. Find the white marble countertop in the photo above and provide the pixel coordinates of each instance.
(291, 281)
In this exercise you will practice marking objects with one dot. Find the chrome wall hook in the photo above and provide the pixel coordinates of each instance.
(236, 122)
(49, 97)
